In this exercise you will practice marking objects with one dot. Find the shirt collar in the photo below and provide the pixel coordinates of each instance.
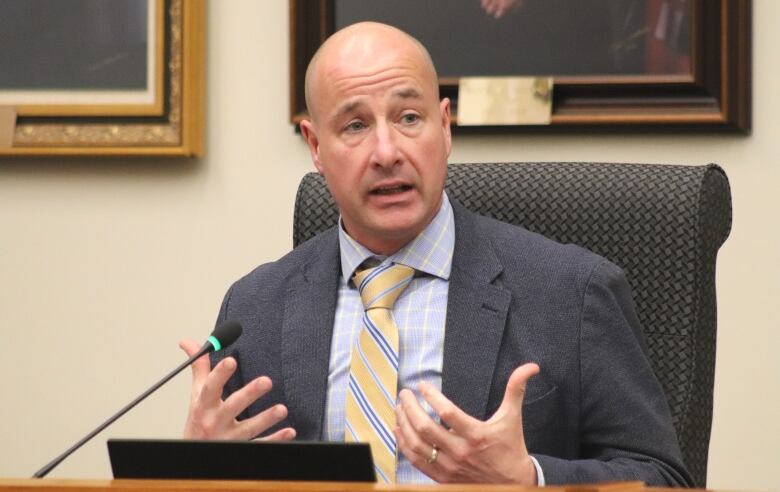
(430, 252)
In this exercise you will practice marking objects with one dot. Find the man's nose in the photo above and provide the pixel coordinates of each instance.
(385, 152)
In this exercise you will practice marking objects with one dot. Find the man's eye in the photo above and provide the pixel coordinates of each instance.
(354, 126)
(410, 118)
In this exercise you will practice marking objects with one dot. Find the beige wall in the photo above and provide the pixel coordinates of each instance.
(106, 264)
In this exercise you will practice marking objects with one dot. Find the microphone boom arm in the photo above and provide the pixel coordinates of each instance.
(209, 346)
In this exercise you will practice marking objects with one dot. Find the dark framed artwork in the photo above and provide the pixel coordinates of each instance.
(646, 64)
(93, 77)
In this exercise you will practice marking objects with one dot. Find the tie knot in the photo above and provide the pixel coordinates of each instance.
(380, 286)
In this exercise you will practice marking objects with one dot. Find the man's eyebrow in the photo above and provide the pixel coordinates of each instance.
(348, 107)
(351, 106)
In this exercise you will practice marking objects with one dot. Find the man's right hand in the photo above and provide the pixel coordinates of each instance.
(210, 417)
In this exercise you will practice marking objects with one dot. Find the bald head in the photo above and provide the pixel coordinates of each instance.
(359, 44)
(378, 133)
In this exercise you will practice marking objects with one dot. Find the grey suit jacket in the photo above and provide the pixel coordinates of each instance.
(595, 412)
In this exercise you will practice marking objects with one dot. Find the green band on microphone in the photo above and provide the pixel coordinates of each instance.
(215, 343)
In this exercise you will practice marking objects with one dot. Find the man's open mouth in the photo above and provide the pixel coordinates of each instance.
(391, 190)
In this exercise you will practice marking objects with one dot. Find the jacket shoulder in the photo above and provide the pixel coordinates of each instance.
(269, 279)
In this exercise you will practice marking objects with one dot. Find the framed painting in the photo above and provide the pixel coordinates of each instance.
(91, 77)
(615, 64)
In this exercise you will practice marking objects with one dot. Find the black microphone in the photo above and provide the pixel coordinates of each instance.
(222, 336)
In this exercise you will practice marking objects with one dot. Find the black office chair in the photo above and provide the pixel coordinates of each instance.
(662, 224)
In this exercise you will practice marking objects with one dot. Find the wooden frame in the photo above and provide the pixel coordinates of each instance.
(172, 125)
(717, 96)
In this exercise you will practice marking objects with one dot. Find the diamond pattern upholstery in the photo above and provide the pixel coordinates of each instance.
(662, 224)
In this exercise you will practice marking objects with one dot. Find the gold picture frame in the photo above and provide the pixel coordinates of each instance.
(170, 125)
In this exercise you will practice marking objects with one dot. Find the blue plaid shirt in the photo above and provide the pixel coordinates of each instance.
(419, 312)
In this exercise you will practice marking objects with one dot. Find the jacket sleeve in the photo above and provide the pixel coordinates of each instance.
(236, 382)
(626, 430)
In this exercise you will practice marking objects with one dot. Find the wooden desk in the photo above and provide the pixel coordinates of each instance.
(57, 485)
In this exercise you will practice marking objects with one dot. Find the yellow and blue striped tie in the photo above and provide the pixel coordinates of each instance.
(373, 371)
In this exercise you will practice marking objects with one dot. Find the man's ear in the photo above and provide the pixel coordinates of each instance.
(310, 137)
(446, 119)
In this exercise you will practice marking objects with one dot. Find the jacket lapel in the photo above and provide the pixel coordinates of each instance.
(306, 336)
(476, 316)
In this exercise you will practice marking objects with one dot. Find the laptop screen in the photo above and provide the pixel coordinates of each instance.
(241, 460)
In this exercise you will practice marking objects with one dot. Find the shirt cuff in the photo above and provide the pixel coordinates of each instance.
(539, 472)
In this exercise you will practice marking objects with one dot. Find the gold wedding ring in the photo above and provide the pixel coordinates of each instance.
(434, 455)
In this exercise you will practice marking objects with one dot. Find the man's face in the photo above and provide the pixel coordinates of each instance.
(381, 139)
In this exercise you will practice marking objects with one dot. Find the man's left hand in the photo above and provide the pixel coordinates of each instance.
(471, 451)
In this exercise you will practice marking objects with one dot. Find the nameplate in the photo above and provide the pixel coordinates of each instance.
(504, 101)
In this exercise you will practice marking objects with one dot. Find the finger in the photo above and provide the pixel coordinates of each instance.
(419, 453)
(515, 390)
(462, 423)
(201, 367)
(239, 400)
(409, 442)
(286, 434)
(407, 439)
(421, 424)
(254, 426)
(211, 392)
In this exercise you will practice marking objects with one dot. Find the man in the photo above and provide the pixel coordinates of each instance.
(480, 300)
